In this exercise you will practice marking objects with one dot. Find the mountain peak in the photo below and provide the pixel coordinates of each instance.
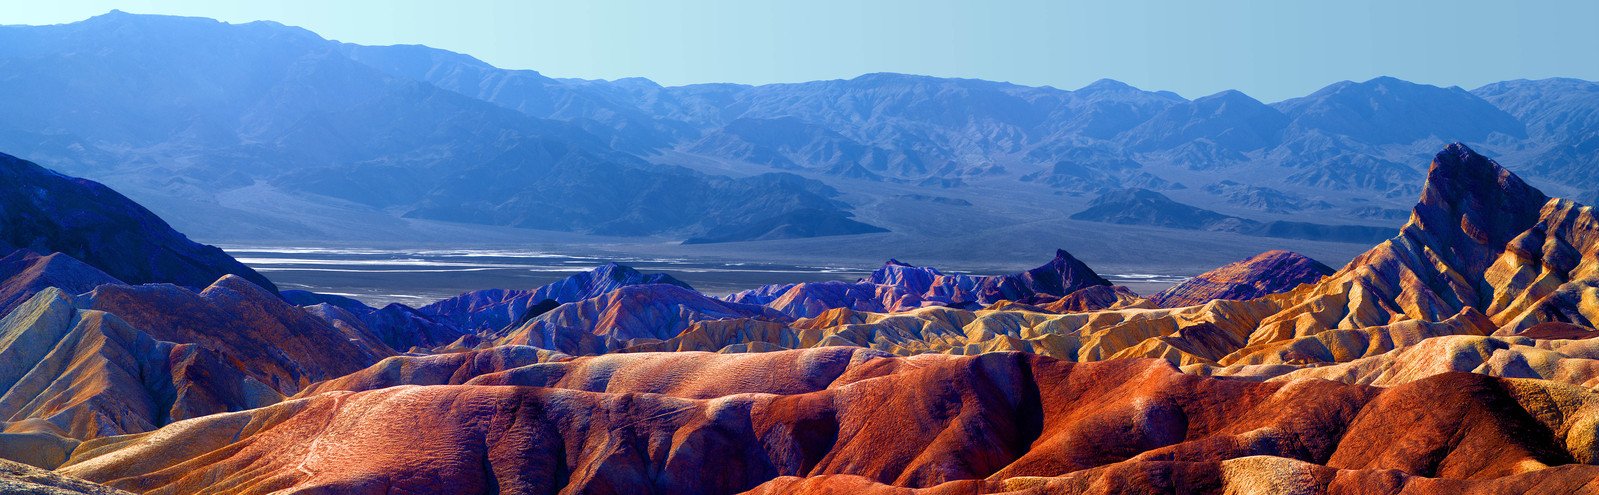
(1106, 84)
(1062, 275)
(1464, 181)
(1471, 207)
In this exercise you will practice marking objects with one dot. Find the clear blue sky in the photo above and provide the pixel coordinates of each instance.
(1269, 49)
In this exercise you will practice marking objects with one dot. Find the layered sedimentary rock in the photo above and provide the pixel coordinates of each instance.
(47, 212)
(993, 423)
(273, 341)
(1265, 273)
(1479, 237)
(454, 368)
(493, 310)
(1097, 298)
(1456, 357)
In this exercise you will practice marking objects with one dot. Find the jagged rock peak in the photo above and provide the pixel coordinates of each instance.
(1063, 275)
(1470, 205)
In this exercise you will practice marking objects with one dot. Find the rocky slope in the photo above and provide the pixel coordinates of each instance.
(898, 286)
(75, 374)
(24, 479)
(623, 316)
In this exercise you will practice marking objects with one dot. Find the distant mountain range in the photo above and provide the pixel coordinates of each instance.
(219, 126)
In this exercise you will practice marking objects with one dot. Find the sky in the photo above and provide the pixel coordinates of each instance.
(1272, 50)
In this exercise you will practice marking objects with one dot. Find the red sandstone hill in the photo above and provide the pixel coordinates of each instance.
(987, 424)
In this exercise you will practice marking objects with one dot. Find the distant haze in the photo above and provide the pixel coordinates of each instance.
(1270, 50)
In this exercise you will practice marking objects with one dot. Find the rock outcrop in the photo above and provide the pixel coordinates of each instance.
(898, 286)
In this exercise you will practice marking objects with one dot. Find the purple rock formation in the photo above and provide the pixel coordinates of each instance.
(1262, 274)
(492, 310)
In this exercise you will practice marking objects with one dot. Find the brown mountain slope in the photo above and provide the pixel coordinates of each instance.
(1005, 420)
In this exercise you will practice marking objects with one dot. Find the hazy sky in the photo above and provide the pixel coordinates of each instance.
(1269, 49)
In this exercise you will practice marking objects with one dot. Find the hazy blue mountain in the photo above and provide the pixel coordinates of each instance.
(1262, 198)
(1230, 119)
(1386, 110)
(200, 120)
(1562, 117)
(597, 110)
(185, 101)
(1557, 108)
(1145, 207)
(789, 143)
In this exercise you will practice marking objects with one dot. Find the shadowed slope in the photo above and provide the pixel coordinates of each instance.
(48, 212)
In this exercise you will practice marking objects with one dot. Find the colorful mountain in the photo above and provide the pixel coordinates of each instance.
(819, 422)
